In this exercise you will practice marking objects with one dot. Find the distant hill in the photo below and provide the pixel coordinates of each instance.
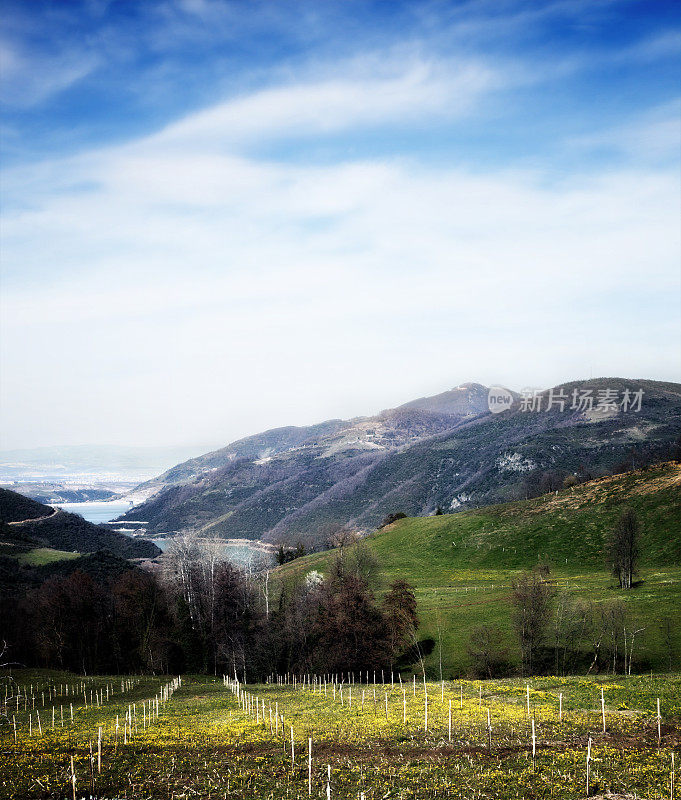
(446, 451)
(15, 507)
(262, 476)
(28, 522)
(388, 429)
(463, 564)
(51, 493)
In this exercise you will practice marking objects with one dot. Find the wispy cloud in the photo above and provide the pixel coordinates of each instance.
(308, 109)
(225, 271)
(321, 221)
(29, 79)
(652, 136)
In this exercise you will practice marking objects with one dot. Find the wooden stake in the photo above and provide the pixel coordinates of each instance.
(309, 767)
(671, 780)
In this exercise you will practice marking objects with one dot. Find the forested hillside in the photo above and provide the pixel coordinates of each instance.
(15, 507)
(432, 453)
(29, 523)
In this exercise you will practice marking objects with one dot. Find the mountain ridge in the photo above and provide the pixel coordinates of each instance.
(307, 485)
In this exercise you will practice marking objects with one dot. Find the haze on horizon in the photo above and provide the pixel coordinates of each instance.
(219, 218)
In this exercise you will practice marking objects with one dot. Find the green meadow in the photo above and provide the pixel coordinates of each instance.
(463, 566)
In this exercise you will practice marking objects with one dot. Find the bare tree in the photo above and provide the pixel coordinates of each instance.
(362, 562)
(265, 585)
(563, 630)
(623, 548)
(629, 657)
(182, 555)
(531, 616)
(4, 650)
(399, 608)
(596, 631)
(614, 621)
(487, 651)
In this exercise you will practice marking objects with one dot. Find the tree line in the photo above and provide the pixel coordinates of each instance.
(197, 612)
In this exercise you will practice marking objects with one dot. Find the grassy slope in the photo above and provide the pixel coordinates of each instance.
(44, 555)
(462, 565)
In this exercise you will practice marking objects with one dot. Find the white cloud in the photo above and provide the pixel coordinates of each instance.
(230, 293)
(28, 79)
(653, 135)
(661, 45)
(335, 105)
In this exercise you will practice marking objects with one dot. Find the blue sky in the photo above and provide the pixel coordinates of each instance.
(247, 214)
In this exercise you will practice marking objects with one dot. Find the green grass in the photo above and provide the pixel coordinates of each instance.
(463, 565)
(40, 556)
(206, 743)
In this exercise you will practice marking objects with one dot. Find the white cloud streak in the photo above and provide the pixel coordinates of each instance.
(229, 292)
(28, 79)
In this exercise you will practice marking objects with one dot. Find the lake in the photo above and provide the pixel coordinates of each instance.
(97, 511)
(238, 551)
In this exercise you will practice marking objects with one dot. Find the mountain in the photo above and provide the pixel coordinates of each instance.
(447, 451)
(389, 429)
(297, 462)
(463, 401)
(463, 565)
(27, 523)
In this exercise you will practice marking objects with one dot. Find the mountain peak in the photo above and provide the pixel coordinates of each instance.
(466, 400)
